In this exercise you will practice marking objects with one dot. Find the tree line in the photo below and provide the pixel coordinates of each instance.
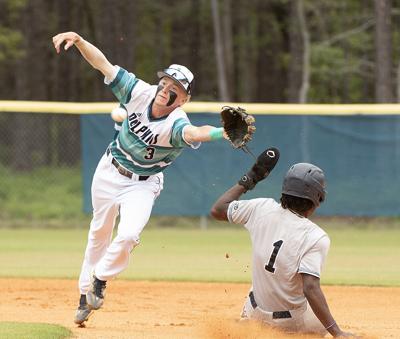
(276, 51)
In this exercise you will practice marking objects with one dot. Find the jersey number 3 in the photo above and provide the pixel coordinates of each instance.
(270, 266)
(150, 153)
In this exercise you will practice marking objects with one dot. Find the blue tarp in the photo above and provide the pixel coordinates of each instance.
(359, 154)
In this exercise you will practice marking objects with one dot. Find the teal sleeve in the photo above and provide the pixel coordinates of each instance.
(216, 133)
(117, 128)
(122, 85)
(118, 125)
(177, 135)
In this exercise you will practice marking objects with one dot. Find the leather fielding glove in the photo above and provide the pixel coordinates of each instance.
(238, 125)
(264, 164)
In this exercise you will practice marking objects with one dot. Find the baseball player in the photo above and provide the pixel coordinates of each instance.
(153, 131)
(288, 250)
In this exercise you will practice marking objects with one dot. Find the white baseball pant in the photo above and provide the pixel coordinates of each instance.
(113, 194)
(302, 320)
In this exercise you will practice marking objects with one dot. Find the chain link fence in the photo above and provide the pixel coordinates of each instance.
(40, 167)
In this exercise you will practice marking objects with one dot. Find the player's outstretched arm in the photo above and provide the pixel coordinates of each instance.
(264, 164)
(316, 299)
(204, 133)
(90, 52)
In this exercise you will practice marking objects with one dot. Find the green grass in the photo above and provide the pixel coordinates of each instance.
(50, 194)
(357, 257)
(364, 256)
(12, 330)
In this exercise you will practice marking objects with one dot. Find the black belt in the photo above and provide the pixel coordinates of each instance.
(123, 171)
(275, 315)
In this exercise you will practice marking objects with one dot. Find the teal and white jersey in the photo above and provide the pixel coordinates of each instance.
(145, 145)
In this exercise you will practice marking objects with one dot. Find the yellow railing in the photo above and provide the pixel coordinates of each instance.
(209, 107)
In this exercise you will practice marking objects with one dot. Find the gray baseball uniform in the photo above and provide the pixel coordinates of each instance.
(284, 245)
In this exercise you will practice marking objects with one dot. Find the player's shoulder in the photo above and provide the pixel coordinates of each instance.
(316, 232)
(256, 203)
(267, 202)
(145, 89)
(141, 96)
(262, 205)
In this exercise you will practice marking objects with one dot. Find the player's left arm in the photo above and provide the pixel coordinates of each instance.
(310, 269)
(316, 299)
(193, 134)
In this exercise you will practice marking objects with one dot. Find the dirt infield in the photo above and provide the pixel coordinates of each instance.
(185, 310)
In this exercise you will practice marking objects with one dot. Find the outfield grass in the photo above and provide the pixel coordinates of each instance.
(13, 330)
(358, 256)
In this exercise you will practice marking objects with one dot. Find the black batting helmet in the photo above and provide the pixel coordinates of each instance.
(306, 181)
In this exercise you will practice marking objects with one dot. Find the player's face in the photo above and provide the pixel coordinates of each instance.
(169, 90)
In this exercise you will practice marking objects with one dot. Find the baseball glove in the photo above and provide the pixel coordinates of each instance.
(238, 125)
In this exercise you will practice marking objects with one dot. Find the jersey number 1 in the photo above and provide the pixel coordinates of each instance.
(270, 266)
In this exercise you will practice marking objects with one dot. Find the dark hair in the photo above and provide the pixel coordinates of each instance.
(299, 205)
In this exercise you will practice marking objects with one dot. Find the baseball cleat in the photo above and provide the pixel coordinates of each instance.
(83, 312)
(95, 297)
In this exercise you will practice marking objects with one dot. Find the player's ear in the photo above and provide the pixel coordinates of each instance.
(186, 99)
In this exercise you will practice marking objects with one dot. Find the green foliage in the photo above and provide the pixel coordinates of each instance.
(10, 37)
(147, 20)
(342, 52)
(15, 6)
(10, 44)
(12, 330)
(158, 33)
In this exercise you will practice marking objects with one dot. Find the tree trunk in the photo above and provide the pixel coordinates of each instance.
(296, 54)
(248, 57)
(299, 44)
(228, 46)
(305, 80)
(219, 53)
(383, 52)
(206, 84)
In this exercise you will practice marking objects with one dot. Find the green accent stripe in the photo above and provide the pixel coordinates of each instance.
(216, 133)
(128, 137)
(117, 79)
(172, 154)
(176, 135)
(123, 85)
(137, 150)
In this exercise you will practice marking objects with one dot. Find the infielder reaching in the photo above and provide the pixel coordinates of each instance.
(288, 249)
(129, 176)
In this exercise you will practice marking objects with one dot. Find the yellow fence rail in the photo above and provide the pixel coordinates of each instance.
(209, 107)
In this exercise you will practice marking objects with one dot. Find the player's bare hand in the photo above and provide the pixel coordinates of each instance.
(70, 38)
